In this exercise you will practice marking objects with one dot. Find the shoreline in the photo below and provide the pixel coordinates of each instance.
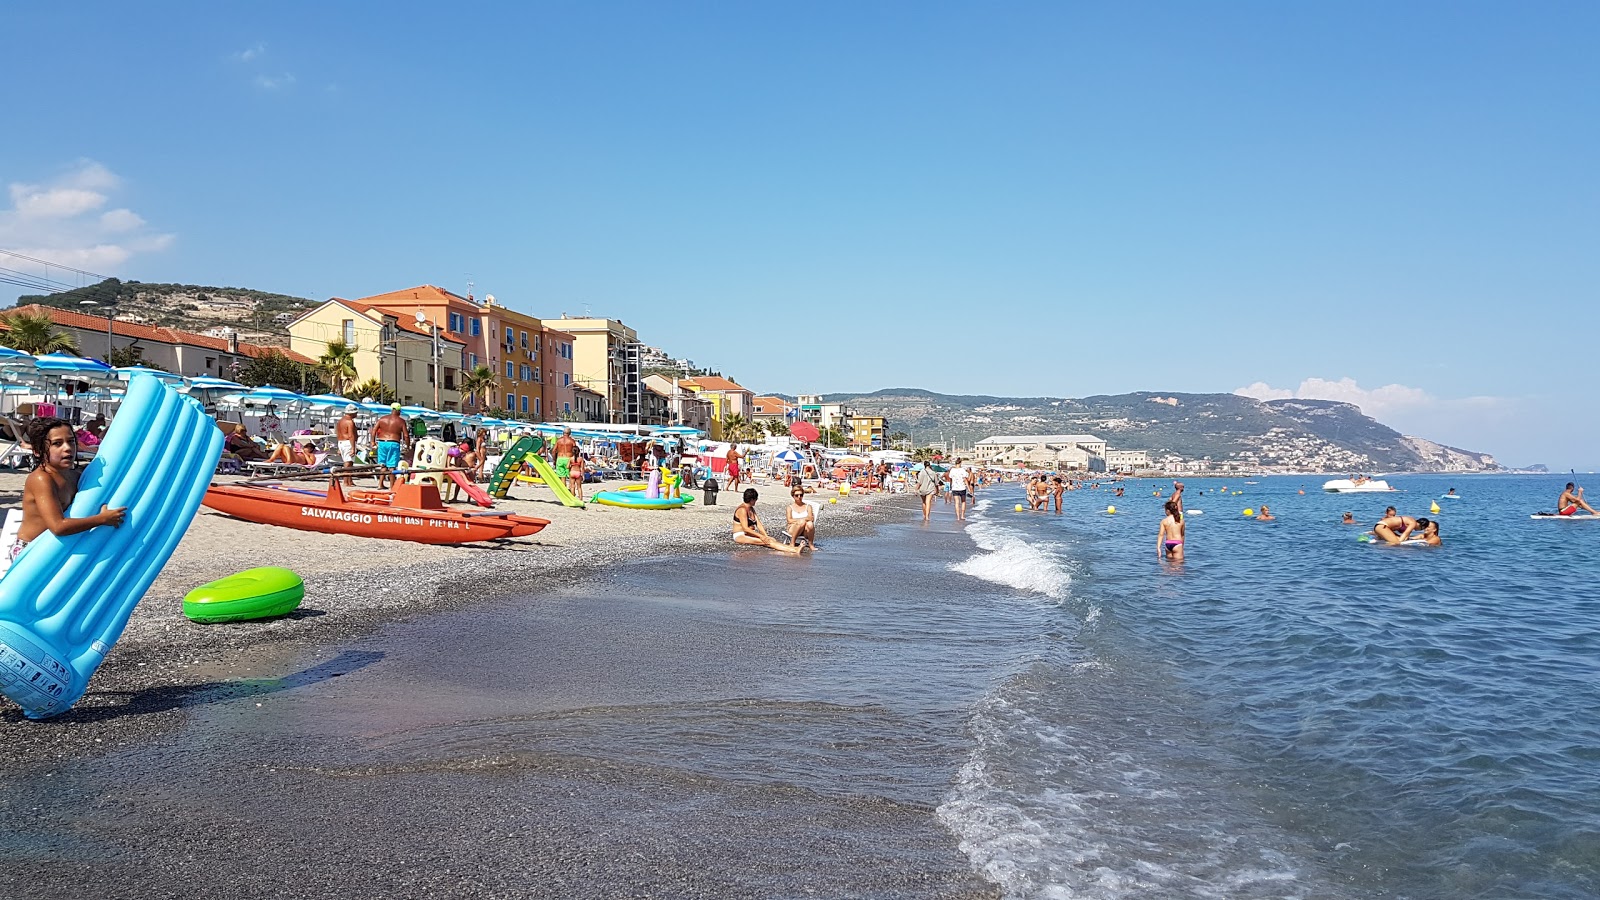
(163, 663)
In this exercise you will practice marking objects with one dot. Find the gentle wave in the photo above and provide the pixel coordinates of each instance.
(1007, 558)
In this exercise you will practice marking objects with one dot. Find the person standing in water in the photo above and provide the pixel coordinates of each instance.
(1169, 537)
(959, 477)
(48, 492)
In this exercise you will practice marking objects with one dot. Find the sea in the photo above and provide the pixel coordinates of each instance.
(1025, 705)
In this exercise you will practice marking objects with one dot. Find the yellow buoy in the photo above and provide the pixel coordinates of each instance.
(833, 499)
(1018, 507)
(1434, 507)
(1248, 511)
(1155, 493)
(1111, 510)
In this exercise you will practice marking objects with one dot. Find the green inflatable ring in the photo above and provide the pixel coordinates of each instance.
(252, 594)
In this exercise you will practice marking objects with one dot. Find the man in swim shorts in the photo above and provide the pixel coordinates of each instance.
(344, 431)
(566, 452)
(389, 436)
(1571, 501)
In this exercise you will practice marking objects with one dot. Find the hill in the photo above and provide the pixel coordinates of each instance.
(1303, 435)
(257, 315)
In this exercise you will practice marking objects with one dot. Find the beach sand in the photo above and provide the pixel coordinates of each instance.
(125, 794)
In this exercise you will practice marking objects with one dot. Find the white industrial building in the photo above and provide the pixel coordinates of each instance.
(1127, 460)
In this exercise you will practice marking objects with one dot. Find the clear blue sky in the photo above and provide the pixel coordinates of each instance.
(1023, 198)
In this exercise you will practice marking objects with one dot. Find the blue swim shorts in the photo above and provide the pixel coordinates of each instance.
(389, 454)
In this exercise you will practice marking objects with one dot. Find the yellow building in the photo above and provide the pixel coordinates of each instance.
(388, 348)
(868, 432)
(600, 357)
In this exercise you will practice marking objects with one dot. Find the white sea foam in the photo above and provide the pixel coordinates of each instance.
(1008, 558)
(1043, 811)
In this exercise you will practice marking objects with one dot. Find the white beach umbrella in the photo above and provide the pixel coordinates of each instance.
(789, 455)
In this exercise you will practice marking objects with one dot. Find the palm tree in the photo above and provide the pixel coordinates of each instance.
(476, 383)
(736, 428)
(777, 427)
(339, 364)
(35, 333)
(372, 387)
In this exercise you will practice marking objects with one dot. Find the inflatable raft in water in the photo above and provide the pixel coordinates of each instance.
(65, 600)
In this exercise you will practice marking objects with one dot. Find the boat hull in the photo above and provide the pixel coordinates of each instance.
(311, 512)
(1346, 486)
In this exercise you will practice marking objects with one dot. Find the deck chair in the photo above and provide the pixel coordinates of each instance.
(8, 534)
(15, 454)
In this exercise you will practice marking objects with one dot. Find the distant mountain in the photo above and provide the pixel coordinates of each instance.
(1306, 435)
(257, 315)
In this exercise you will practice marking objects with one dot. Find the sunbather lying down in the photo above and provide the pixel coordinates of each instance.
(293, 454)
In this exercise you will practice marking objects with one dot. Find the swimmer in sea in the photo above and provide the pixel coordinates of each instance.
(1430, 534)
(1169, 537)
(1396, 529)
(1349, 519)
(1450, 493)
(1570, 502)
(1264, 515)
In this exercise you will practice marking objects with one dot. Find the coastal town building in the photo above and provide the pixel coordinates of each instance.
(1127, 461)
(727, 398)
(823, 415)
(771, 409)
(868, 432)
(180, 352)
(587, 405)
(390, 347)
(1023, 449)
(684, 407)
(603, 352)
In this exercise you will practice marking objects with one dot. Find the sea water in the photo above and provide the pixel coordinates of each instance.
(1029, 700)
(1289, 712)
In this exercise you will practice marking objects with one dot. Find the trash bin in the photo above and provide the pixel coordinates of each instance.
(711, 492)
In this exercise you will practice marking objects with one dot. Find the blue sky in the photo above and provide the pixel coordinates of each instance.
(1395, 204)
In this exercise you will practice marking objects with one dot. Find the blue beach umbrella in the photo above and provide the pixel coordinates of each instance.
(66, 366)
(207, 384)
(327, 401)
(270, 396)
(790, 456)
(126, 373)
(414, 412)
(11, 357)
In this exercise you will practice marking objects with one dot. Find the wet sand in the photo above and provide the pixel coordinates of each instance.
(338, 753)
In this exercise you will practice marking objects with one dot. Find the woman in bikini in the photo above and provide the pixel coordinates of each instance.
(747, 527)
(802, 524)
(48, 492)
(1169, 537)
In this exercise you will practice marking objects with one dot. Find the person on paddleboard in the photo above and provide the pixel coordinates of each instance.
(1571, 500)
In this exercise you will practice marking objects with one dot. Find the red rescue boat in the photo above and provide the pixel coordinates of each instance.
(413, 512)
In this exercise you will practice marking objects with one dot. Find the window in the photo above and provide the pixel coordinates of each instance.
(524, 340)
(524, 402)
(430, 373)
(350, 332)
(408, 370)
(566, 350)
(523, 373)
(566, 380)
(474, 359)
(456, 322)
(566, 407)
(536, 411)
(477, 327)
(510, 366)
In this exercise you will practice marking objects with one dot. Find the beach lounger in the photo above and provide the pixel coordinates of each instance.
(15, 454)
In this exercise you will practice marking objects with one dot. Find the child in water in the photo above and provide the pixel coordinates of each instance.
(50, 488)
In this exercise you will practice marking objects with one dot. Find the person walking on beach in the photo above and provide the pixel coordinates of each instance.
(1570, 502)
(1169, 537)
(747, 527)
(959, 477)
(733, 466)
(566, 453)
(47, 493)
(390, 437)
(344, 432)
(928, 484)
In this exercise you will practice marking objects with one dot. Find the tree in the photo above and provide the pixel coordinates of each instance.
(132, 355)
(736, 429)
(372, 387)
(832, 437)
(777, 427)
(477, 384)
(338, 365)
(35, 333)
(277, 369)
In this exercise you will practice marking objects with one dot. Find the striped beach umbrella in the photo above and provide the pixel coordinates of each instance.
(126, 373)
(208, 384)
(69, 367)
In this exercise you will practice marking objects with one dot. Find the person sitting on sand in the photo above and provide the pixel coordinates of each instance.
(747, 527)
(1570, 502)
(1349, 519)
(801, 521)
(1169, 537)
(1396, 529)
(1264, 515)
(48, 492)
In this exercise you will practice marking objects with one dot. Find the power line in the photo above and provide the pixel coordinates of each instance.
(43, 283)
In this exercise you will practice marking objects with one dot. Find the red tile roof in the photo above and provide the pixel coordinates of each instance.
(712, 383)
(425, 293)
(770, 406)
(404, 320)
(72, 319)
